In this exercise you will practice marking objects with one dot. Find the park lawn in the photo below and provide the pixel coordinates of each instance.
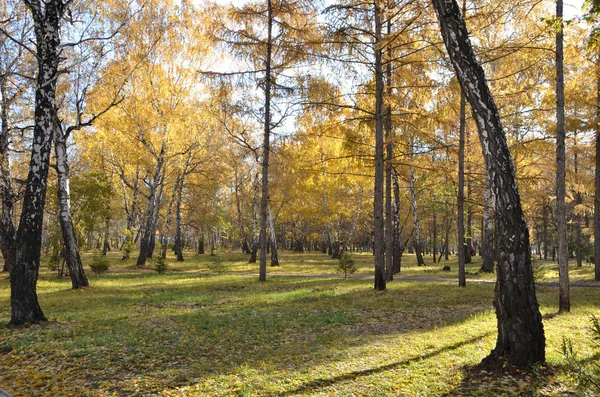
(196, 334)
(315, 263)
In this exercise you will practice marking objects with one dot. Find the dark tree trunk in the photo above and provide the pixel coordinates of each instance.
(521, 338)
(274, 256)
(417, 244)
(597, 179)
(545, 229)
(435, 231)
(201, 246)
(7, 227)
(106, 241)
(378, 223)
(460, 219)
(24, 275)
(389, 132)
(564, 299)
(71, 250)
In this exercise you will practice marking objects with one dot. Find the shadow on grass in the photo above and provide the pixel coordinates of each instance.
(351, 376)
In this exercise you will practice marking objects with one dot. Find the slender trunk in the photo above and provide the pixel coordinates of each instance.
(397, 263)
(254, 221)
(521, 338)
(413, 204)
(487, 241)
(178, 234)
(71, 250)
(7, 227)
(389, 133)
(564, 299)
(145, 243)
(435, 231)
(24, 275)
(156, 217)
(274, 256)
(166, 230)
(264, 200)
(106, 241)
(460, 219)
(378, 224)
(597, 178)
(545, 229)
(578, 201)
(469, 238)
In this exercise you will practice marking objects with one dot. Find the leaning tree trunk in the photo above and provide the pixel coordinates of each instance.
(7, 227)
(71, 250)
(378, 222)
(23, 277)
(487, 242)
(521, 338)
(564, 299)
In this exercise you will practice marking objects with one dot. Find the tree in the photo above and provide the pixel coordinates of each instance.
(564, 299)
(521, 338)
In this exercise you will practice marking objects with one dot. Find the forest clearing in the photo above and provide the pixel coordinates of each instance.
(298, 197)
(192, 332)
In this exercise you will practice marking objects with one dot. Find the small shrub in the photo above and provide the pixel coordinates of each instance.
(217, 265)
(99, 263)
(160, 265)
(346, 264)
(587, 375)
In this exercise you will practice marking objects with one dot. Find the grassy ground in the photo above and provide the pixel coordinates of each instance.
(193, 333)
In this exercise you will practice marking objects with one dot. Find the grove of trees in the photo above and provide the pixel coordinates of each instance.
(387, 126)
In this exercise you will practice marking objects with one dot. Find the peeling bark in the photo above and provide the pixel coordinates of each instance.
(71, 250)
(521, 338)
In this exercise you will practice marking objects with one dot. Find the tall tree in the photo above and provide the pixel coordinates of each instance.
(47, 18)
(564, 299)
(521, 338)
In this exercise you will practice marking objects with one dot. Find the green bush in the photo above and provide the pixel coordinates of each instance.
(586, 374)
(99, 263)
(160, 265)
(346, 264)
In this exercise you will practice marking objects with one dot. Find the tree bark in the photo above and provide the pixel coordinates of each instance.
(597, 179)
(7, 227)
(25, 307)
(460, 219)
(145, 243)
(274, 256)
(564, 299)
(487, 242)
(397, 262)
(71, 250)
(378, 223)
(521, 338)
(389, 133)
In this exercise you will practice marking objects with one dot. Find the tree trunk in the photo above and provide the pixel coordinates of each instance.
(145, 243)
(378, 224)
(71, 250)
(413, 203)
(7, 227)
(166, 229)
(487, 241)
(389, 132)
(397, 262)
(564, 299)
(24, 275)
(255, 230)
(521, 338)
(597, 179)
(274, 256)
(460, 219)
(545, 229)
(178, 237)
(264, 199)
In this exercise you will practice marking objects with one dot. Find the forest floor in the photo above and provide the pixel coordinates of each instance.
(205, 328)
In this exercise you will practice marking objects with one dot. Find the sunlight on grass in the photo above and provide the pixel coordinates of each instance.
(191, 333)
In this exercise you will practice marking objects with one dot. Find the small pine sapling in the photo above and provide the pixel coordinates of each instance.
(346, 264)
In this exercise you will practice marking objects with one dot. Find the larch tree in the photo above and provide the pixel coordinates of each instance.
(521, 338)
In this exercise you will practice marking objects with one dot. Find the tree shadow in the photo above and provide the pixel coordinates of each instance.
(351, 376)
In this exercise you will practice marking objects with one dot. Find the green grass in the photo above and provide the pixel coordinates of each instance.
(191, 333)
